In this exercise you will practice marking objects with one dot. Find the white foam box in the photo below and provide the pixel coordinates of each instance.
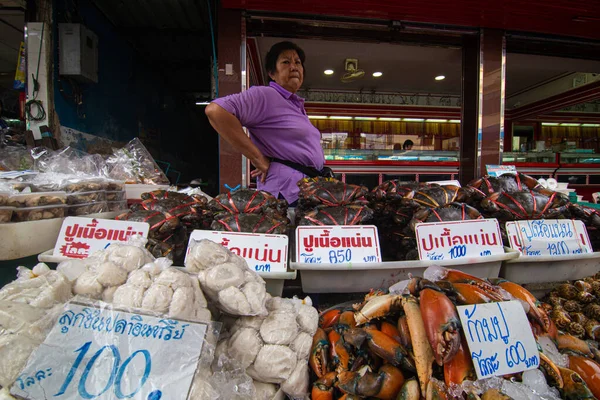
(24, 239)
(550, 268)
(355, 278)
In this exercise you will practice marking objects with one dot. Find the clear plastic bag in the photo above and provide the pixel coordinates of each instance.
(227, 280)
(134, 164)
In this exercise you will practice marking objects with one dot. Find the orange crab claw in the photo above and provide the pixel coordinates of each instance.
(460, 367)
(346, 321)
(441, 324)
(323, 388)
(472, 294)
(569, 342)
(380, 344)
(377, 307)
(404, 332)
(589, 370)
(391, 331)
(575, 388)
(552, 371)
(456, 276)
(318, 354)
(329, 318)
(536, 312)
(385, 384)
(339, 353)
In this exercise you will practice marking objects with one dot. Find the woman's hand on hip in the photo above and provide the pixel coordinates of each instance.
(262, 165)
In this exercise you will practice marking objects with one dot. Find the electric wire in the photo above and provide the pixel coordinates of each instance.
(34, 103)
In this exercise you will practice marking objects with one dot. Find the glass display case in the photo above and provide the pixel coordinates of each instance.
(389, 155)
(580, 156)
(529, 157)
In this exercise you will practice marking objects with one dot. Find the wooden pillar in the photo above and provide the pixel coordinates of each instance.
(231, 39)
(470, 109)
(491, 128)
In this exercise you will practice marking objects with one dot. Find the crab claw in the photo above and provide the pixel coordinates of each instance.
(589, 370)
(410, 390)
(339, 353)
(455, 276)
(346, 321)
(472, 294)
(328, 318)
(551, 371)
(441, 324)
(571, 343)
(376, 307)
(460, 367)
(436, 390)
(536, 312)
(421, 347)
(381, 345)
(385, 384)
(574, 387)
(318, 354)
(323, 388)
(391, 330)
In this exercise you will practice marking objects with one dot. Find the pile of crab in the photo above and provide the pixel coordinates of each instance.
(327, 201)
(248, 210)
(172, 216)
(412, 346)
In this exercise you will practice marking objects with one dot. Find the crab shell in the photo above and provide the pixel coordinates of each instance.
(441, 324)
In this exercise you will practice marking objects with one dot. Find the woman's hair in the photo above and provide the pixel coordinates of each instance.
(276, 50)
(407, 143)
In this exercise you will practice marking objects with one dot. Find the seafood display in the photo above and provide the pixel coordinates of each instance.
(255, 223)
(410, 345)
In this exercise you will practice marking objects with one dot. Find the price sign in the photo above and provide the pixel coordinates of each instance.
(548, 237)
(498, 170)
(337, 244)
(263, 253)
(81, 237)
(499, 338)
(104, 354)
(458, 239)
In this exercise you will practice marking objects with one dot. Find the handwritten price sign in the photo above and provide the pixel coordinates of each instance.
(263, 253)
(548, 237)
(499, 338)
(458, 239)
(94, 353)
(337, 244)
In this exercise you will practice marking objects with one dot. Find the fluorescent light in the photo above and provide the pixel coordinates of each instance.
(377, 74)
(317, 117)
(389, 119)
(436, 120)
(591, 125)
(413, 119)
(570, 124)
(549, 123)
(454, 121)
(328, 72)
(365, 118)
(339, 117)
(440, 78)
(202, 103)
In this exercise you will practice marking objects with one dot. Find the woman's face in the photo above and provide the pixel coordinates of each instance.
(289, 72)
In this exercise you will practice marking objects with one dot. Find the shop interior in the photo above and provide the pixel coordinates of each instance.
(12, 17)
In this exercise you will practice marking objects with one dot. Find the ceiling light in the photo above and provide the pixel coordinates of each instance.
(365, 118)
(454, 121)
(202, 103)
(591, 125)
(389, 119)
(413, 119)
(440, 78)
(328, 72)
(570, 124)
(317, 117)
(436, 120)
(377, 74)
(339, 117)
(549, 123)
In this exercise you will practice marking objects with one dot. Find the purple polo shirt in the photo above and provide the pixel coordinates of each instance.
(280, 128)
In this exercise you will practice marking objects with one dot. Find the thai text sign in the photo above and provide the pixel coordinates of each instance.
(264, 253)
(334, 244)
(548, 237)
(499, 338)
(498, 170)
(94, 353)
(458, 239)
(81, 237)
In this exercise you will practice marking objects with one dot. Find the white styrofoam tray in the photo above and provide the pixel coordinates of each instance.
(24, 239)
(344, 278)
(550, 268)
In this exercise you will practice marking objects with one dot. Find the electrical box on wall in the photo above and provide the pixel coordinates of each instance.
(78, 52)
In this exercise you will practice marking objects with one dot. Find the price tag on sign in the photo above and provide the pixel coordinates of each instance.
(498, 170)
(458, 239)
(337, 244)
(499, 338)
(103, 354)
(548, 237)
(81, 237)
(263, 253)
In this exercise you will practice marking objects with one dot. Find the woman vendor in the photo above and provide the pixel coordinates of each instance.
(283, 145)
